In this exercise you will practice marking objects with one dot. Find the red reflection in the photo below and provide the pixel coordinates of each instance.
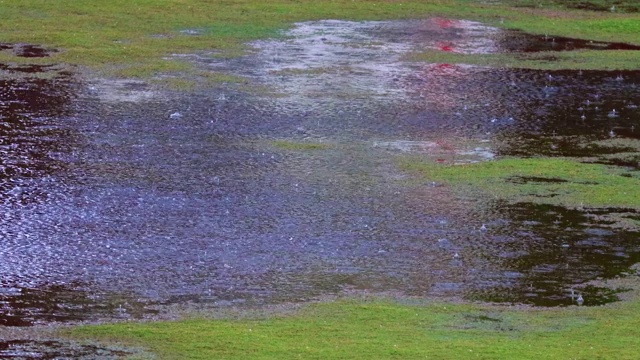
(445, 23)
(446, 46)
(444, 68)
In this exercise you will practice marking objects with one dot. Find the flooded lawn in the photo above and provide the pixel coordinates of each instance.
(117, 197)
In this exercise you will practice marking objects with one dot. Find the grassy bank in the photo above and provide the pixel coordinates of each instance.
(547, 60)
(384, 329)
(133, 38)
(554, 181)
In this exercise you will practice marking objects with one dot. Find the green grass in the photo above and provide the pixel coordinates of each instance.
(555, 181)
(624, 6)
(546, 60)
(385, 329)
(134, 37)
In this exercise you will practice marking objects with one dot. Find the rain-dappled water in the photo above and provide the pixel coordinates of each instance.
(49, 350)
(117, 198)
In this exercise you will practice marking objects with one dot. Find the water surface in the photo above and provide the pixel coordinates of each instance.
(118, 197)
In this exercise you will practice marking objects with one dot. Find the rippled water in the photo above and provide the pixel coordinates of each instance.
(49, 350)
(117, 197)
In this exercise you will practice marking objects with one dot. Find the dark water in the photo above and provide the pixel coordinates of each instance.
(112, 207)
(516, 41)
(49, 350)
(27, 50)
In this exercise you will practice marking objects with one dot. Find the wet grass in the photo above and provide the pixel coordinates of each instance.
(387, 329)
(624, 6)
(546, 60)
(570, 183)
(134, 39)
(576, 24)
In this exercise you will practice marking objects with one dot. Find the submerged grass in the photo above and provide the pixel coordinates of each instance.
(134, 38)
(299, 146)
(555, 181)
(386, 329)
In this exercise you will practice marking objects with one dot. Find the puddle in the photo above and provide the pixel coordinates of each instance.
(28, 305)
(546, 251)
(117, 198)
(515, 41)
(49, 350)
(27, 50)
(121, 90)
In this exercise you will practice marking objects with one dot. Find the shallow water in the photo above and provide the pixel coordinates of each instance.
(27, 349)
(117, 198)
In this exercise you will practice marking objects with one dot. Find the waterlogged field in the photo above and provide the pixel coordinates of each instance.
(165, 160)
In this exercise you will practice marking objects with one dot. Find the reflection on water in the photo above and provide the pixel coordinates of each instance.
(41, 304)
(30, 141)
(126, 198)
(547, 251)
(49, 350)
(515, 41)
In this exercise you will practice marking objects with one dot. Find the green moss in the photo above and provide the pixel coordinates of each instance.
(384, 329)
(540, 180)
